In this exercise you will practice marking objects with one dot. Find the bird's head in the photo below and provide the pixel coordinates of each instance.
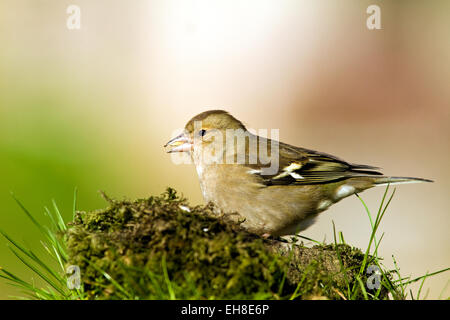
(205, 131)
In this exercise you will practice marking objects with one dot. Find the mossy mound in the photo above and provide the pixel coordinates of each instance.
(159, 248)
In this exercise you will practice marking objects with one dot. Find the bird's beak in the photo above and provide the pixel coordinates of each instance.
(180, 143)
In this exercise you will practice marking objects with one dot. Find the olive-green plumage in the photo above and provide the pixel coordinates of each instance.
(277, 197)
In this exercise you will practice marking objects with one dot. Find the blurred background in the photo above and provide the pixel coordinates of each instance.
(92, 107)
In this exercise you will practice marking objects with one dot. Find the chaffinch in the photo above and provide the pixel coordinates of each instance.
(278, 189)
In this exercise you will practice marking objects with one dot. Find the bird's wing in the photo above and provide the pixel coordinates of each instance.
(299, 166)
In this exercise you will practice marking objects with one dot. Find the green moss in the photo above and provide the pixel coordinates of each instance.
(157, 249)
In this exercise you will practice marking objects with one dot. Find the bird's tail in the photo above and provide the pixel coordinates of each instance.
(382, 181)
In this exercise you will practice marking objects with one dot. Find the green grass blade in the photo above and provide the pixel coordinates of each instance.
(340, 259)
(29, 215)
(427, 275)
(421, 285)
(32, 257)
(38, 272)
(111, 279)
(363, 288)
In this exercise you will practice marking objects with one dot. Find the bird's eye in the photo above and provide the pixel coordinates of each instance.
(202, 132)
